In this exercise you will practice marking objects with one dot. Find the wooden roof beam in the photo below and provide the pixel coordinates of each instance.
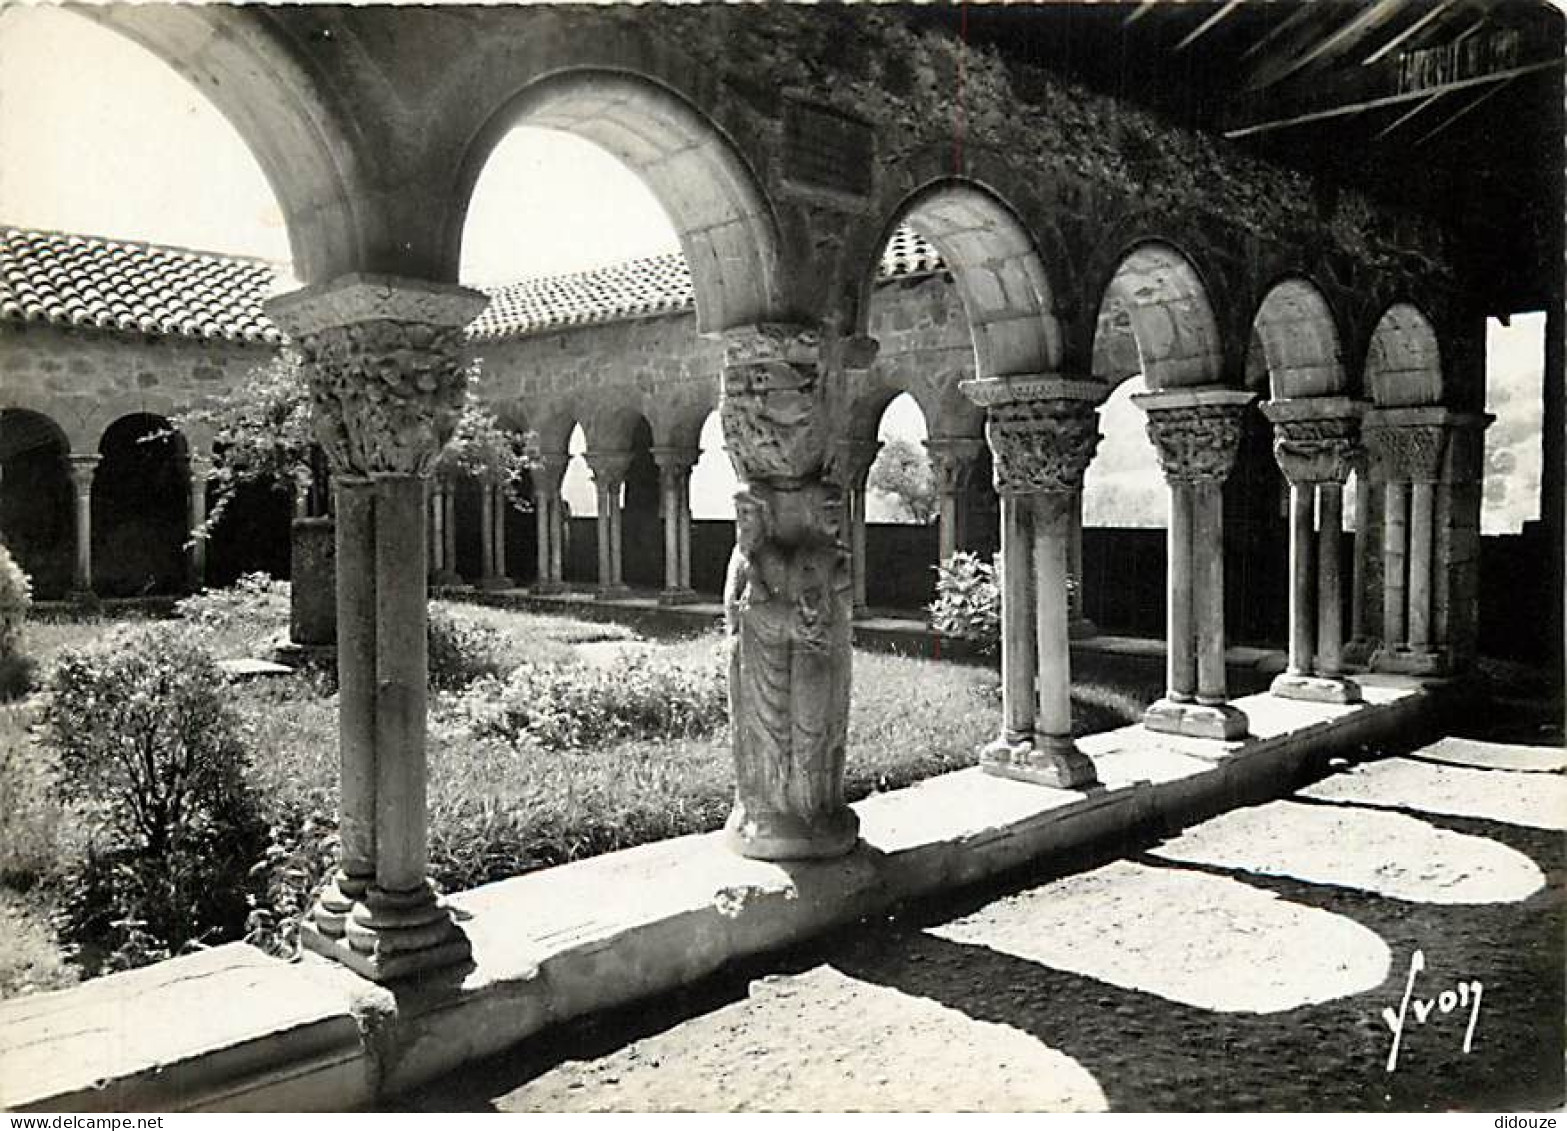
(1368, 20)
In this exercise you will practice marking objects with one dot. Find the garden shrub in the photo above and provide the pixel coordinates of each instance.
(30, 814)
(968, 600)
(152, 758)
(17, 669)
(462, 651)
(241, 619)
(572, 706)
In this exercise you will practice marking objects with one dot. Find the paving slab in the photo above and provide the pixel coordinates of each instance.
(1536, 800)
(1496, 755)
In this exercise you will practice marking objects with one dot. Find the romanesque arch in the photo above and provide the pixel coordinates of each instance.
(1403, 360)
(139, 508)
(1156, 296)
(35, 499)
(1298, 337)
(728, 233)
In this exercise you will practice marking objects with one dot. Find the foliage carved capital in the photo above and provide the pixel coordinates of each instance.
(1043, 445)
(1196, 433)
(1315, 439)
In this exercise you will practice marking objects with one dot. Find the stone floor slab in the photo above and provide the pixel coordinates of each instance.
(1536, 800)
(1496, 755)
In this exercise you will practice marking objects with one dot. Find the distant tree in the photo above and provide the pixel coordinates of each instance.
(902, 471)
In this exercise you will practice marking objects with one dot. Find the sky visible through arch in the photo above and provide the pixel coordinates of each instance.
(91, 126)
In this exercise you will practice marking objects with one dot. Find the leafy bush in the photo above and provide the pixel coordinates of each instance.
(240, 619)
(152, 758)
(30, 814)
(569, 707)
(17, 669)
(968, 600)
(462, 651)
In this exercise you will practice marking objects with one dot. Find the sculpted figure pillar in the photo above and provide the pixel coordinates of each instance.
(1315, 440)
(674, 481)
(1197, 434)
(385, 361)
(609, 476)
(1407, 447)
(787, 596)
(82, 467)
(952, 463)
(1043, 432)
(549, 521)
(855, 459)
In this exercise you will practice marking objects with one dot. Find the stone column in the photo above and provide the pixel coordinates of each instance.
(674, 483)
(198, 467)
(856, 457)
(499, 506)
(788, 594)
(82, 467)
(1043, 432)
(609, 476)
(1362, 639)
(449, 574)
(1315, 441)
(1080, 626)
(952, 464)
(548, 520)
(1408, 446)
(1196, 433)
(386, 366)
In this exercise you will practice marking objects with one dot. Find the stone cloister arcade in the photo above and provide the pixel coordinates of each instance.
(1080, 252)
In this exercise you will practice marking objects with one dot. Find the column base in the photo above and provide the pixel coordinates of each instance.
(446, 579)
(546, 588)
(390, 935)
(1315, 688)
(1408, 661)
(611, 592)
(1047, 760)
(785, 836)
(493, 583)
(677, 596)
(1081, 628)
(860, 612)
(1196, 720)
(1358, 653)
(82, 597)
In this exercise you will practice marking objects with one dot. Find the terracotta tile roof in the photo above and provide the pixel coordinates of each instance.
(118, 285)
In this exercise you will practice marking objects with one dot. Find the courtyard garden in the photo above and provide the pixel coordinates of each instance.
(151, 802)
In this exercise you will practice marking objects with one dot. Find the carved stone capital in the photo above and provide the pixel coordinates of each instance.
(81, 468)
(549, 473)
(387, 364)
(674, 464)
(855, 458)
(776, 404)
(1042, 429)
(1315, 439)
(1195, 432)
(609, 468)
(952, 461)
(1407, 445)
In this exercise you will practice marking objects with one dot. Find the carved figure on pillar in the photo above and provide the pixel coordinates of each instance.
(1196, 434)
(388, 372)
(1043, 432)
(1316, 443)
(786, 600)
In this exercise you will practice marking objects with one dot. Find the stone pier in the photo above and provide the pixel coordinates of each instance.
(1315, 442)
(1196, 433)
(787, 597)
(1042, 431)
(385, 361)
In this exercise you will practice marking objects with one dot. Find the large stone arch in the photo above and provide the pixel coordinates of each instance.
(1001, 276)
(1297, 333)
(1153, 290)
(727, 228)
(36, 518)
(1403, 364)
(242, 61)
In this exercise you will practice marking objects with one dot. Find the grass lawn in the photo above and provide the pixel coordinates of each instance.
(504, 798)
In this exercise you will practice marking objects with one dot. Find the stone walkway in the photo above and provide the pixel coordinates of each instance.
(1243, 965)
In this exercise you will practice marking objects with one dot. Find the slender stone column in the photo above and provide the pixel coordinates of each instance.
(1043, 431)
(787, 597)
(449, 574)
(952, 464)
(501, 502)
(1408, 446)
(432, 517)
(548, 522)
(492, 535)
(1362, 640)
(1196, 433)
(674, 482)
(1315, 441)
(387, 372)
(198, 467)
(855, 459)
(1080, 626)
(609, 476)
(82, 467)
